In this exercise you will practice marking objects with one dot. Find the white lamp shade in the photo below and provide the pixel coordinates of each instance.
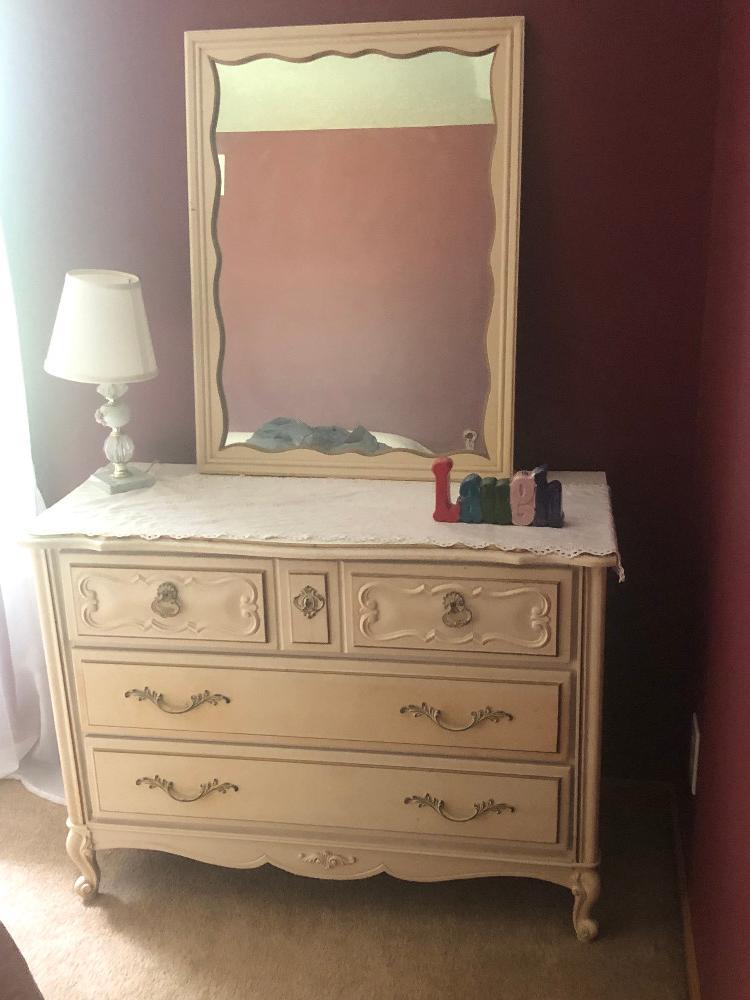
(101, 332)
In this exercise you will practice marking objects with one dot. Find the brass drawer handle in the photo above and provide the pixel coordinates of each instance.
(166, 604)
(205, 789)
(457, 613)
(309, 601)
(480, 808)
(480, 715)
(204, 698)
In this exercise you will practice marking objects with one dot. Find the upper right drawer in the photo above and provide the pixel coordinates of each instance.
(508, 610)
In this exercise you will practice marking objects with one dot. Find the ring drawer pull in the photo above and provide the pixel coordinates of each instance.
(480, 715)
(205, 789)
(457, 614)
(204, 698)
(480, 808)
(166, 604)
(309, 601)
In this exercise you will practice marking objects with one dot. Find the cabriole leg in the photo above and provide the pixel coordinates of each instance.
(586, 887)
(80, 848)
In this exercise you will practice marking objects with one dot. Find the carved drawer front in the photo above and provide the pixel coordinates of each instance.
(296, 701)
(309, 606)
(172, 599)
(471, 611)
(274, 786)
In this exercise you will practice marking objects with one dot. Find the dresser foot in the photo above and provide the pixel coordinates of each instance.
(586, 886)
(80, 848)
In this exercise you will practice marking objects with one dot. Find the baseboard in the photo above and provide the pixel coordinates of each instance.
(691, 963)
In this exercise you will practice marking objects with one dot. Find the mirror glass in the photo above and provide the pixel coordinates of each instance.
(354, 222)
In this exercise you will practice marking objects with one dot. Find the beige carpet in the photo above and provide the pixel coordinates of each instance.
(167, 928)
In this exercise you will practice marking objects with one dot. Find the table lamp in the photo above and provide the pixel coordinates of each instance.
(101, 335)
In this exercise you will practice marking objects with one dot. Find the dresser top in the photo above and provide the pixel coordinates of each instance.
(185, 504)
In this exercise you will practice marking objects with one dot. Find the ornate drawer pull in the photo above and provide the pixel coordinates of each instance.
(166, 604)
(457, 614)
(480, 715)
(309, 602)
(480, 808)
(204, 698)
(205, 789)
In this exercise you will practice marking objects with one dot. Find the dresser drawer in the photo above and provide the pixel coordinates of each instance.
(472, 610)
(309, 700)
(167, 598)
(274, 786)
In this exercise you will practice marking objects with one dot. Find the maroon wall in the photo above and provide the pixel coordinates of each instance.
(617, 148)
(363, 256)
(720, 869)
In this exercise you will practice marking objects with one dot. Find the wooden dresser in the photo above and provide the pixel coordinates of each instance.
(334, 708)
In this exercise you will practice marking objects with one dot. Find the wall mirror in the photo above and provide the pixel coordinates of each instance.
(353, 228)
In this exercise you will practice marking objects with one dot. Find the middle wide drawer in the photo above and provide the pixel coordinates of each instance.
(264, 697)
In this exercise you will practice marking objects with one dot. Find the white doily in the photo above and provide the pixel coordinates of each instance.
(186, 504)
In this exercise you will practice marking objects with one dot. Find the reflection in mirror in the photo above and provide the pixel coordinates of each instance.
(355, 222)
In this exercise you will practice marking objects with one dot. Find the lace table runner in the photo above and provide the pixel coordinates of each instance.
(186, 504)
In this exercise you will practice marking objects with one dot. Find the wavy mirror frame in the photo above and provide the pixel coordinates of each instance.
(472, 36)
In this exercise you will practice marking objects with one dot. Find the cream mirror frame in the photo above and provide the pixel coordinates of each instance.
(474, 36)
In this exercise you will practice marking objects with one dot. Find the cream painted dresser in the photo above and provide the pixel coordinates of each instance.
(312, 674)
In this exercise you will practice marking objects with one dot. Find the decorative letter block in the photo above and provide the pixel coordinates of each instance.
(523, 498)
(555, 514)
(548, 508)
(540, 475)
(540, 505)
(444, 509)
(488, 500)
(468, 493)
(503, 502)
(527, 499)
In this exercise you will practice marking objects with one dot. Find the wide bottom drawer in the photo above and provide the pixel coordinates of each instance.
(362, 791)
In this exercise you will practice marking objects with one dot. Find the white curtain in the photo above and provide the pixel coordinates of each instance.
(28, 750)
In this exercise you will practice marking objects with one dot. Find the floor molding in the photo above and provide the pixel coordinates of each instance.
(691, 962)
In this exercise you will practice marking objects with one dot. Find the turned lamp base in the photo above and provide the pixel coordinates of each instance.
(117, 477)
(134, 480)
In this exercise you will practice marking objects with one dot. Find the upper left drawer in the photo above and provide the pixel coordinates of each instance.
(166, 597)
